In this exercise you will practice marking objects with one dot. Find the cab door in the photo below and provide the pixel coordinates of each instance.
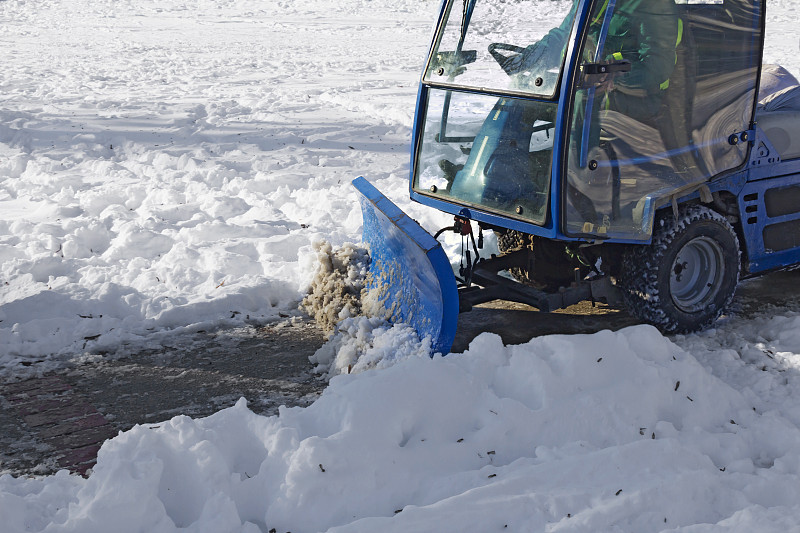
(672, 121)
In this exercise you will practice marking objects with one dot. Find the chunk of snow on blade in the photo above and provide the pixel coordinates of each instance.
(339, 278)
(337, 298)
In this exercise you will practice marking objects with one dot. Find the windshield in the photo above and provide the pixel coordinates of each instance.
(489, 152)
(502, 45)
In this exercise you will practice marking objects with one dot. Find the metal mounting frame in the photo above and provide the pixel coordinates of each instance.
(487, 285)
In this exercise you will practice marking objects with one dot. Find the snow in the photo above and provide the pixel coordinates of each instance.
(360, 337)
(622, 431)
(366, 342)
(340, 277)
(165, 164)
(169, 166)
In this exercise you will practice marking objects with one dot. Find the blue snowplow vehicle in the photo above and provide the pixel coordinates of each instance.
(634, 152)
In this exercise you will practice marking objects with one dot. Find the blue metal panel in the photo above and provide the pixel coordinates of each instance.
(765, 161)
(483, 216)
(420, 110)
(772, 170)
(598, 56)
(416, 133)
(732, 183)
(409, 268)
(560, 146)
(755, 219)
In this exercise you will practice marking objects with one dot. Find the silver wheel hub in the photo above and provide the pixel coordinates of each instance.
(696, 274)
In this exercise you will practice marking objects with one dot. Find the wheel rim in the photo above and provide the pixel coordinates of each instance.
(696, 274)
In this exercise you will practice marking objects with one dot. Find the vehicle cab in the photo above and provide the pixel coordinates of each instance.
(632, 152)
(578, 120)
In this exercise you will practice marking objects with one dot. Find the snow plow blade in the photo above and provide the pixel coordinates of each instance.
(409, 269)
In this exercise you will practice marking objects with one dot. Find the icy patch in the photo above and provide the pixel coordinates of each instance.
(353, 315)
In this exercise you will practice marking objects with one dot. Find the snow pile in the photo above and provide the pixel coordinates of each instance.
(364, 342)
(339, 278)
(616, 431)
(340, 300)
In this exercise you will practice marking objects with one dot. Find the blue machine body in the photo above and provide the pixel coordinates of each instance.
(764, 186)
(409, 271)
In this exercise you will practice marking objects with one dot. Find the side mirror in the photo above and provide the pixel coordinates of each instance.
(451, 64)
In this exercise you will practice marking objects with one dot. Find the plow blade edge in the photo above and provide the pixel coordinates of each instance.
(408, 269)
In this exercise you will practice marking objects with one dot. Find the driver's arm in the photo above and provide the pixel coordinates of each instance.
(656, 22)
(551, 47)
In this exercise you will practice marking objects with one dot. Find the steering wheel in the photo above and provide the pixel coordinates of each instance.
(511, 63)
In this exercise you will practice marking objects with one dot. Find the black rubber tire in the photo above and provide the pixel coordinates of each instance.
(685, 279)
(552, 268)
(511, 241)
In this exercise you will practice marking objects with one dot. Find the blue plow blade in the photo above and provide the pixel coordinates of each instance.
(409, 269)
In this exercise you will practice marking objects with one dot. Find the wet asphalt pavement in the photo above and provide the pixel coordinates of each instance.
(60, 422)
(196, 375)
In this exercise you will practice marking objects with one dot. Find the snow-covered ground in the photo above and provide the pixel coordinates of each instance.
(167, 166)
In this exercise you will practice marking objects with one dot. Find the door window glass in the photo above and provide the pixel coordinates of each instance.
(666, 125)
